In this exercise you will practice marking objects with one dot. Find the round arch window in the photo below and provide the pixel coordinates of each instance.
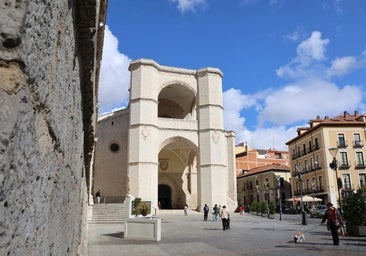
(114, 147)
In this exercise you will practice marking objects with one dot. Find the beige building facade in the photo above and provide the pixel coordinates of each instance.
(169, 146)
(266, 183)
(310, 156)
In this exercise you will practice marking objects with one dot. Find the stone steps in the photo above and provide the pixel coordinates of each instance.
(107, 213)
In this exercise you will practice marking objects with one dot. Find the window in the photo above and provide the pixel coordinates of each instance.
(320, 182)
(307, 184)
(114, 147)
(312, 164)
(317, 162)
(305, 165)
(316, 143)
(303, 149)
(313, 184)
(346, 182)
(362, 180)
(357, 140)
(310, 147)
(344, 159)
(359, 159)
(341, 140)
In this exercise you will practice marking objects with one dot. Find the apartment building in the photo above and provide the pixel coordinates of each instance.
(258, 173)
(265, 183)
(248, 158)
(310, 157)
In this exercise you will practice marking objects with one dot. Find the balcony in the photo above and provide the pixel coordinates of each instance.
(343, 166)
(357, 144)
(360, 166)
(342, 143)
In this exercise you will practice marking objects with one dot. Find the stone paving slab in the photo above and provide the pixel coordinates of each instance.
(249, 235)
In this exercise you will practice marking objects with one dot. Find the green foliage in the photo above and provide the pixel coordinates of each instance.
(140, 207)
(263, 206)
(354, 207)
(254, 206)
(272, 207)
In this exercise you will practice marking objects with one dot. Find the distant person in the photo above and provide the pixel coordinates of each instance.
(224, 214)
(205, 212)
(186, 210)
(216, 213)
(241, 209)
(98, 196)
(334, 222)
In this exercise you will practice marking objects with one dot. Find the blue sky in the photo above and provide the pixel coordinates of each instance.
(284, 61)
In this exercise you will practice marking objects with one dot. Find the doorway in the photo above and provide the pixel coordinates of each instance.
(165, 197)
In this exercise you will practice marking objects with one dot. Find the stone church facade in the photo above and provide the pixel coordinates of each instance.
(169, 145)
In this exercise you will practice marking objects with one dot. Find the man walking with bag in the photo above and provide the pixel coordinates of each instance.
(334, 222)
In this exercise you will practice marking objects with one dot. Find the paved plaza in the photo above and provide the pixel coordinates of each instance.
(249, 235)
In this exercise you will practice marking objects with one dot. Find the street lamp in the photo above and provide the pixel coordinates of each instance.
(334, 166)
(303, 213)
(257, 187)
(279, 194)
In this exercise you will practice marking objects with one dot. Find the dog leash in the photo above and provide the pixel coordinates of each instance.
(305, 231)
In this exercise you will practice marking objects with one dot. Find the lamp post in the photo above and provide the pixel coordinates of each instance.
(303, 213)
(257, 187)
(334, 166)
(279, 194)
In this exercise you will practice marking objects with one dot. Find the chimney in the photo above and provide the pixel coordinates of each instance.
(345, 114)
(356, 113)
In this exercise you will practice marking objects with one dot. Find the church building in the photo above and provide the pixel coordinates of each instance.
(169, 146)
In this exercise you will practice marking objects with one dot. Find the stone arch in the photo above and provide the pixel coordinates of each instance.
(178, 170)
(177, 100)
(179, 139)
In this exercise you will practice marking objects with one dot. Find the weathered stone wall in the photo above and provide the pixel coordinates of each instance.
(47, 80)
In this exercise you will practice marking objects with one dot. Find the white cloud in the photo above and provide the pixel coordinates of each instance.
(306, 99)
(342, 66)
(296, 35)
(235, 103)
(281, 110)
(114, 76)
(312, 49)
(309, 52)
(274, 137)
(189, 5)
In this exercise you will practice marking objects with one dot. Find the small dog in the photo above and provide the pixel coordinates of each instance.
(299, 237)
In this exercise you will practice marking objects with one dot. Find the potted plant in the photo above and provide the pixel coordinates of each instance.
(354, 212)
(263, 208)
(272, 209)
(140, 207)
(253, 207)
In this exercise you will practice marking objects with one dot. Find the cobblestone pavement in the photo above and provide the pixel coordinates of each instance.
(249, 235)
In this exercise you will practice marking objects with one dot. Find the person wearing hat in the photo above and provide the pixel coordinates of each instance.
(334, 222)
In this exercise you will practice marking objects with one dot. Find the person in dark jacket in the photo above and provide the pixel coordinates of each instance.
(334, 222)
(205, 212)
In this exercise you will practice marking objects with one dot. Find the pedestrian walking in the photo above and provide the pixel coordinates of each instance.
(186, 210)
(334, 222)
(98, 195)
(241, 209)
(205, 212)
(216, 213)
(224, 214)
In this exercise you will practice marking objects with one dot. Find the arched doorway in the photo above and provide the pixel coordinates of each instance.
(165, 197)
